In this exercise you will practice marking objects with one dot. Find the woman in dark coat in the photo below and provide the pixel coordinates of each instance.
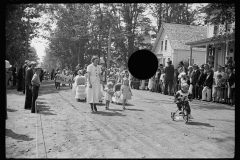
(41, 76)
(137, 83)
(20, 78)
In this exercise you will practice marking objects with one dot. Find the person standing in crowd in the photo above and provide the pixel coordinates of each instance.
(190, 77)
(162, 80)
(182, 68)
(25, 66)
(206, 92)
(231, 85)
(77, 68)
(150, 84)
(214, 89)
(157, 78)
(175, 81)
(195, 75)
(35, 88)
(199, 84)
(29, 75)
(168, 80)
(7, 66)
(20, 78)
(52, 74)
(104, 76)
(142, 87)
(219, 84)
(41, 75)
(131, 80)
(224, 89)
(94, 83)
(154, 82)
(14, 74)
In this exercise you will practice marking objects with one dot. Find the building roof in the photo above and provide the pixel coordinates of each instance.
(179, 35)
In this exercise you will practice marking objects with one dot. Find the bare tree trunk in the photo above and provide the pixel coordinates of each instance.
(187, 15)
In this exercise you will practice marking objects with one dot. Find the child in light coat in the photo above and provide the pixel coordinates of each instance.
(108, 94)
(126, 92)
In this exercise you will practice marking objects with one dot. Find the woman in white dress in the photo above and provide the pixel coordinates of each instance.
(94, 83)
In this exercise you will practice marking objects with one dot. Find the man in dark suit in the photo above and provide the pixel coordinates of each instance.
(168, 80)
(207, 86)
(195, 75)
(25, 66)
(20, 78)
(199, 84)
(29, 75)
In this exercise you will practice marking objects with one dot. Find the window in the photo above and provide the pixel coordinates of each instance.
(165, 45)
(161, 45)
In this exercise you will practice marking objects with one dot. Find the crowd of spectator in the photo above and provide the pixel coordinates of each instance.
(205, 84)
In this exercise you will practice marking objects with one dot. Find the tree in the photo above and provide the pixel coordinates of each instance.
(16, 29)
(221, 14)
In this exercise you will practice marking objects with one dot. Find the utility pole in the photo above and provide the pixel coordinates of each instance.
(26, 48)
(78, 50)
(109, 46)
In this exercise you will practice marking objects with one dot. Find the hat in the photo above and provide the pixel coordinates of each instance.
(201, 68)
(181, 62)
(32, 62)
(170, 62)
(7, 64)
(36, 68)
(190, 67)
(195, 65)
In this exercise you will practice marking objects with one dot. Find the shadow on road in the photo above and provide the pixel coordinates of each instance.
(45, 110)
(199, 124)
(11, 110)
(217, 107)
(134, 109)
(41, 102)
(108, 113)
(10, 133)
(219, 140)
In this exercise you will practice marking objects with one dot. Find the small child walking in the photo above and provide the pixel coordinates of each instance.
(108, 94)
(219, 86)
(126, 92)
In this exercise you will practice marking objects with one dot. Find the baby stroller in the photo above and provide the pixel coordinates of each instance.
(79, 88)
(81, 93)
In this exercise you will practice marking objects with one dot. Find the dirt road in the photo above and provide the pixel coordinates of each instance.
(67, 129)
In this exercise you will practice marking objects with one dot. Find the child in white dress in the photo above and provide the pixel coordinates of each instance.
(126, 92)
(108, 94)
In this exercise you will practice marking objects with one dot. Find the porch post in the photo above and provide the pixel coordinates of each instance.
(227, 52)
(215, 58)
(207, 53)
(190, 59)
